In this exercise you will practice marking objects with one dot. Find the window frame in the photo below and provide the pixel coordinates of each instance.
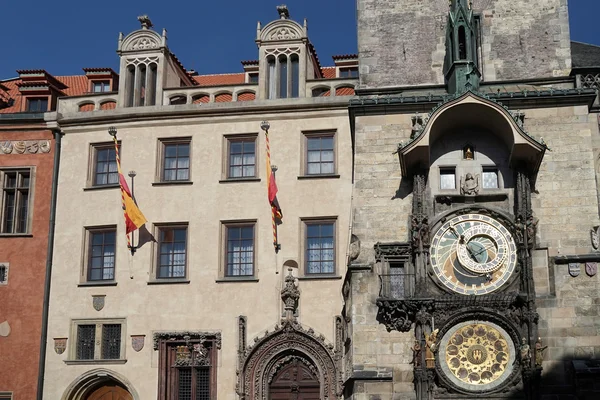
(307, 135)
(36, 99)
(6, 267)
(349, 70)
(488, 169)
(18, 204)
(105, 84)
(6, 395)
(168, 385)
(154, 275)
(93, 165)
(441, 171)
(87, 254)
(160, 170)
(227, 156)
(305, 260)
(225, 226)
(98, 340)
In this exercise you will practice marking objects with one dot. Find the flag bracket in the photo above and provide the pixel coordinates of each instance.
(132, 246)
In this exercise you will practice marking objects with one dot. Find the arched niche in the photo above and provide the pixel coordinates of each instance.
(475, 113)
(91, 380)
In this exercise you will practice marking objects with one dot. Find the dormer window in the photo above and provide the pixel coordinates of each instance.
(100, 86)
(283, 76)
(349, 72)
(253, 78)
(37, 104)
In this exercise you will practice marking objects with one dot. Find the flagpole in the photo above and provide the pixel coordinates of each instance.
(264, 125)
(133, 247)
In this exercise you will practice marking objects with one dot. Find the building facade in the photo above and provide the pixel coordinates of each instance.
(475, 203)
(205, 306)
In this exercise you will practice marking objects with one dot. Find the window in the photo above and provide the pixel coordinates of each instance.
(15, 200)
(239, 249)
(350, 72)
(100, 86)
(283, 76)
(320, 154)
(490, 178)
(448, 178)
(101, 254)
(172, 252)
(176, 160)
(140, 83)
(242, 157)
(187, 366)
(105, 165)
(319, 247)
(37, 104)
(4, 274)
(6, 396)
(98, 340)
(253, 77)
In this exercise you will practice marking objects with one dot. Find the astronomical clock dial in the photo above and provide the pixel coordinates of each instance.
(473, 254)
(477, 355)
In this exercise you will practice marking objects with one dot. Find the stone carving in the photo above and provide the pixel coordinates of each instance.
(137, 342)
(283, 11)
(392, 250)
(215, 337)
(396, 315)
(420, 233)
(591, 268)
(531, 228)
(354, 247)
(430, 348)
(525, 352)
(242, 327)
(469, 185)
(192, 354)
(60, 345)
(417, 125)
(98, 302)
(22, 146)
(595, 236)
(284, 33)
(574, 269)
(144, 43)
(417, 351)
(539, 352)
(290, 295)
(468, 153)
(4, 329)
(145, 21)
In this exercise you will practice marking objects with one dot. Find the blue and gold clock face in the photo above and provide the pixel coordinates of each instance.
(473, 254)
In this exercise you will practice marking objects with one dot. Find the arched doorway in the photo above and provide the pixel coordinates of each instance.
(110, 392)
(296, 380)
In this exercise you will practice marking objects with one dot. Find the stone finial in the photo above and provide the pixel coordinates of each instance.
(283, 11)
(145, 21)
(290, 295)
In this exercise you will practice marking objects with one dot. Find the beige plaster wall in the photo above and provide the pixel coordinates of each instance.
(203, 304)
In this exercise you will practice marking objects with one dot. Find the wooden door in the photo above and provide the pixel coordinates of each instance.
(295, 382)
(110, 392)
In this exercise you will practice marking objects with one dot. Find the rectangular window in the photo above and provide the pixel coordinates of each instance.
(320, 247)
(490, 178)
(101, 86)
(240, 249)
(447, 178)
(350, 72)
(242, 157)
(101, 254)
(6, 396)
(99, 340)
(105, 164)
(187, 366)
(37, 104)
(320, 154)
(175, 160)
(16, 186)
(172, 252)
(3, 274)
(253, 77)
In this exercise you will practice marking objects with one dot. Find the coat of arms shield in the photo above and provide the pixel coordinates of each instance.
(574, 269)
(137, 342)
(60, 345)
(591, 268)
(98, 302)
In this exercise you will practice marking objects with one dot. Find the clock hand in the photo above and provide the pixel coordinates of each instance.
(485, 249)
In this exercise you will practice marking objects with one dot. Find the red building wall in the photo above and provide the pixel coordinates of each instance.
(21, 300)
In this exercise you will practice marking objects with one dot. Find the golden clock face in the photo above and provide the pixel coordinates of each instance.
(473, 254)
(477, 356)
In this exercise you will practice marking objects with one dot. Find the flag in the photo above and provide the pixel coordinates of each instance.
(276, 214)
(133, 216)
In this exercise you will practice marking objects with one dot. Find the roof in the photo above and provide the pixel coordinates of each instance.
(340, 57)
(585, 55)
(220, 79)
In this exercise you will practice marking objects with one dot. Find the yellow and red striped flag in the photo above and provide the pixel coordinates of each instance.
(276, 214)
(134, 218)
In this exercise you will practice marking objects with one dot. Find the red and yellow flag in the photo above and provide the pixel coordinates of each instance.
(276, 214)
(134, 218)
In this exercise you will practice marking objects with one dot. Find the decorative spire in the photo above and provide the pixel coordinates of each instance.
(283, 12)
(290, 295)
(145, 21)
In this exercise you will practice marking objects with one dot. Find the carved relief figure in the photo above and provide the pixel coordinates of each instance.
(595, 235)
(416, 361)
(431, 348)
(469, 185)
(525, 352)
(539, 352)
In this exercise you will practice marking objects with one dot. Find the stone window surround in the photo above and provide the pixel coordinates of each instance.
(72, 347)
(447, 170)
(133, 81)
(227, 139)
(223, 277)
(304, 151)
(302, 274)
(160, 159)
(276, 54)
(92, 164)
(32, 174)
(85, 257)
(153, 277)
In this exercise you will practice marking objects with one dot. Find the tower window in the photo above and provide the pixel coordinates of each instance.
(283, 76)
(490, 178)
(462, 43)
(140, 86)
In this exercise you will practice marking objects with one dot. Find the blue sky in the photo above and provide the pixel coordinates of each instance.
(210, 36)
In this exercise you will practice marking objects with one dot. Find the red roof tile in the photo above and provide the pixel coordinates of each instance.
(220, 79)
(328, 72)
(344, 57)
(344, 91)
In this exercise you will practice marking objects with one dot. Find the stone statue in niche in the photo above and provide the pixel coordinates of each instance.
(468, 153)
(469, 185)
(525, 352)
(539, 352)
(431, 348)
(416, 361)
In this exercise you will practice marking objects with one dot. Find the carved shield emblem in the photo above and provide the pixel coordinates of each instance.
(591, 268)
(137, 342)
(595, 234)
(32, 147)
(98, 302)
(574, 269)
(60, 345)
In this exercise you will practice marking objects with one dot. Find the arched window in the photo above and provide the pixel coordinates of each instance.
(141, 85)
(283, 77)
(462, 43)
(271, 78)
(151, 86)
(130, 79)
(295, 75)
(141, 82)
